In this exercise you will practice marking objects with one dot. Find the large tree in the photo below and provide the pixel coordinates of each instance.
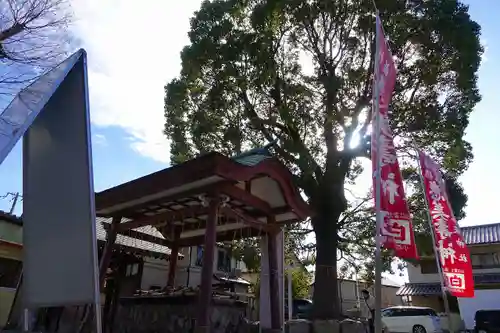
(32, 40)
(300, 72)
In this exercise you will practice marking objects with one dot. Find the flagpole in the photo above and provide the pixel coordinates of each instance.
(436, 251)
(378, 181)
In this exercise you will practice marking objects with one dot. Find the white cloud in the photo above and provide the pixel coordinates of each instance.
(100, 139)
(133, 51)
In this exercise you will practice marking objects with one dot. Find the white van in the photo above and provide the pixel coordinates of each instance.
(411, 319)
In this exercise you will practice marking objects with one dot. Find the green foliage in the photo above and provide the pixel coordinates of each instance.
(301, 72)
(301, 283)
(247, 251)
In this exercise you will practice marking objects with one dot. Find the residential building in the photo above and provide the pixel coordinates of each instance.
(188, 274)
(424, 288)
(10, 261)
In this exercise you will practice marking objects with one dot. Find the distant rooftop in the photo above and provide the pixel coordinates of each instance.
(4, 216)
(385, 282)
(481, 234)
(123, 241)
(155, 250)
(434, 288)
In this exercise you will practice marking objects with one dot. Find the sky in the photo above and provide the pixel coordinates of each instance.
(481, 181)
(133, 51)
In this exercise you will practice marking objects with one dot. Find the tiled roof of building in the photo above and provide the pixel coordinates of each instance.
(252, 157)
(10, 218)
(134, 242)
(228, 279)
(419, 289)
(152, 249)
(434, 288)
(481, 234)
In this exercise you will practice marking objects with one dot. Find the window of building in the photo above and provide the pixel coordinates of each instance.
(199, 256)
(132, 269)
(428, 267)
(223, 261)
(485, 260)
(10, 272)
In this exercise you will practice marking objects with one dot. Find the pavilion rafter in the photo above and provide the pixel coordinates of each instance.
(246, 219)
(168, 217)
(246, 197)
(135, 210)
(141, 236)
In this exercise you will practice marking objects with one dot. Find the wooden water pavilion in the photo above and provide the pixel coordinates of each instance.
(210, 199)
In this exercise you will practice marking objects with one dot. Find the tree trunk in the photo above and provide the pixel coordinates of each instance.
(326, 294)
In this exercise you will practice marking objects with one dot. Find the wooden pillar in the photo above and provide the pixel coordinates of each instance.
(119, 275)
(274, 285)
(108, 292)
(107, 252)
(140, 273)
(207, 270)
(174, 253)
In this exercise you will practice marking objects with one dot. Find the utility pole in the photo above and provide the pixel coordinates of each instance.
(14, 202)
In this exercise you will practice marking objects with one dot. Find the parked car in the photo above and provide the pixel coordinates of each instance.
(301, 308)
(487, 321)
(411, 319)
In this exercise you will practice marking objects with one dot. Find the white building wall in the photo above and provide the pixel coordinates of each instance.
(415, 275)
(188, 277)
(349, 294)
(155, 271)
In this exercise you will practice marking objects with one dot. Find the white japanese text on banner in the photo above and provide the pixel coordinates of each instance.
(453, 252)
(397, 229)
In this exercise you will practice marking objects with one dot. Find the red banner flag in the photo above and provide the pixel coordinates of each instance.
(397, 229)
(450, 245)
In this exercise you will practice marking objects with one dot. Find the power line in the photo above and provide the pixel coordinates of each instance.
(14, 199)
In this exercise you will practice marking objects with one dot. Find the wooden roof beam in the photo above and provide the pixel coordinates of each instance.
(169, 217)
(248, 220)
(246, 197)
(141, 236)
(221, 237)
(131, 210)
